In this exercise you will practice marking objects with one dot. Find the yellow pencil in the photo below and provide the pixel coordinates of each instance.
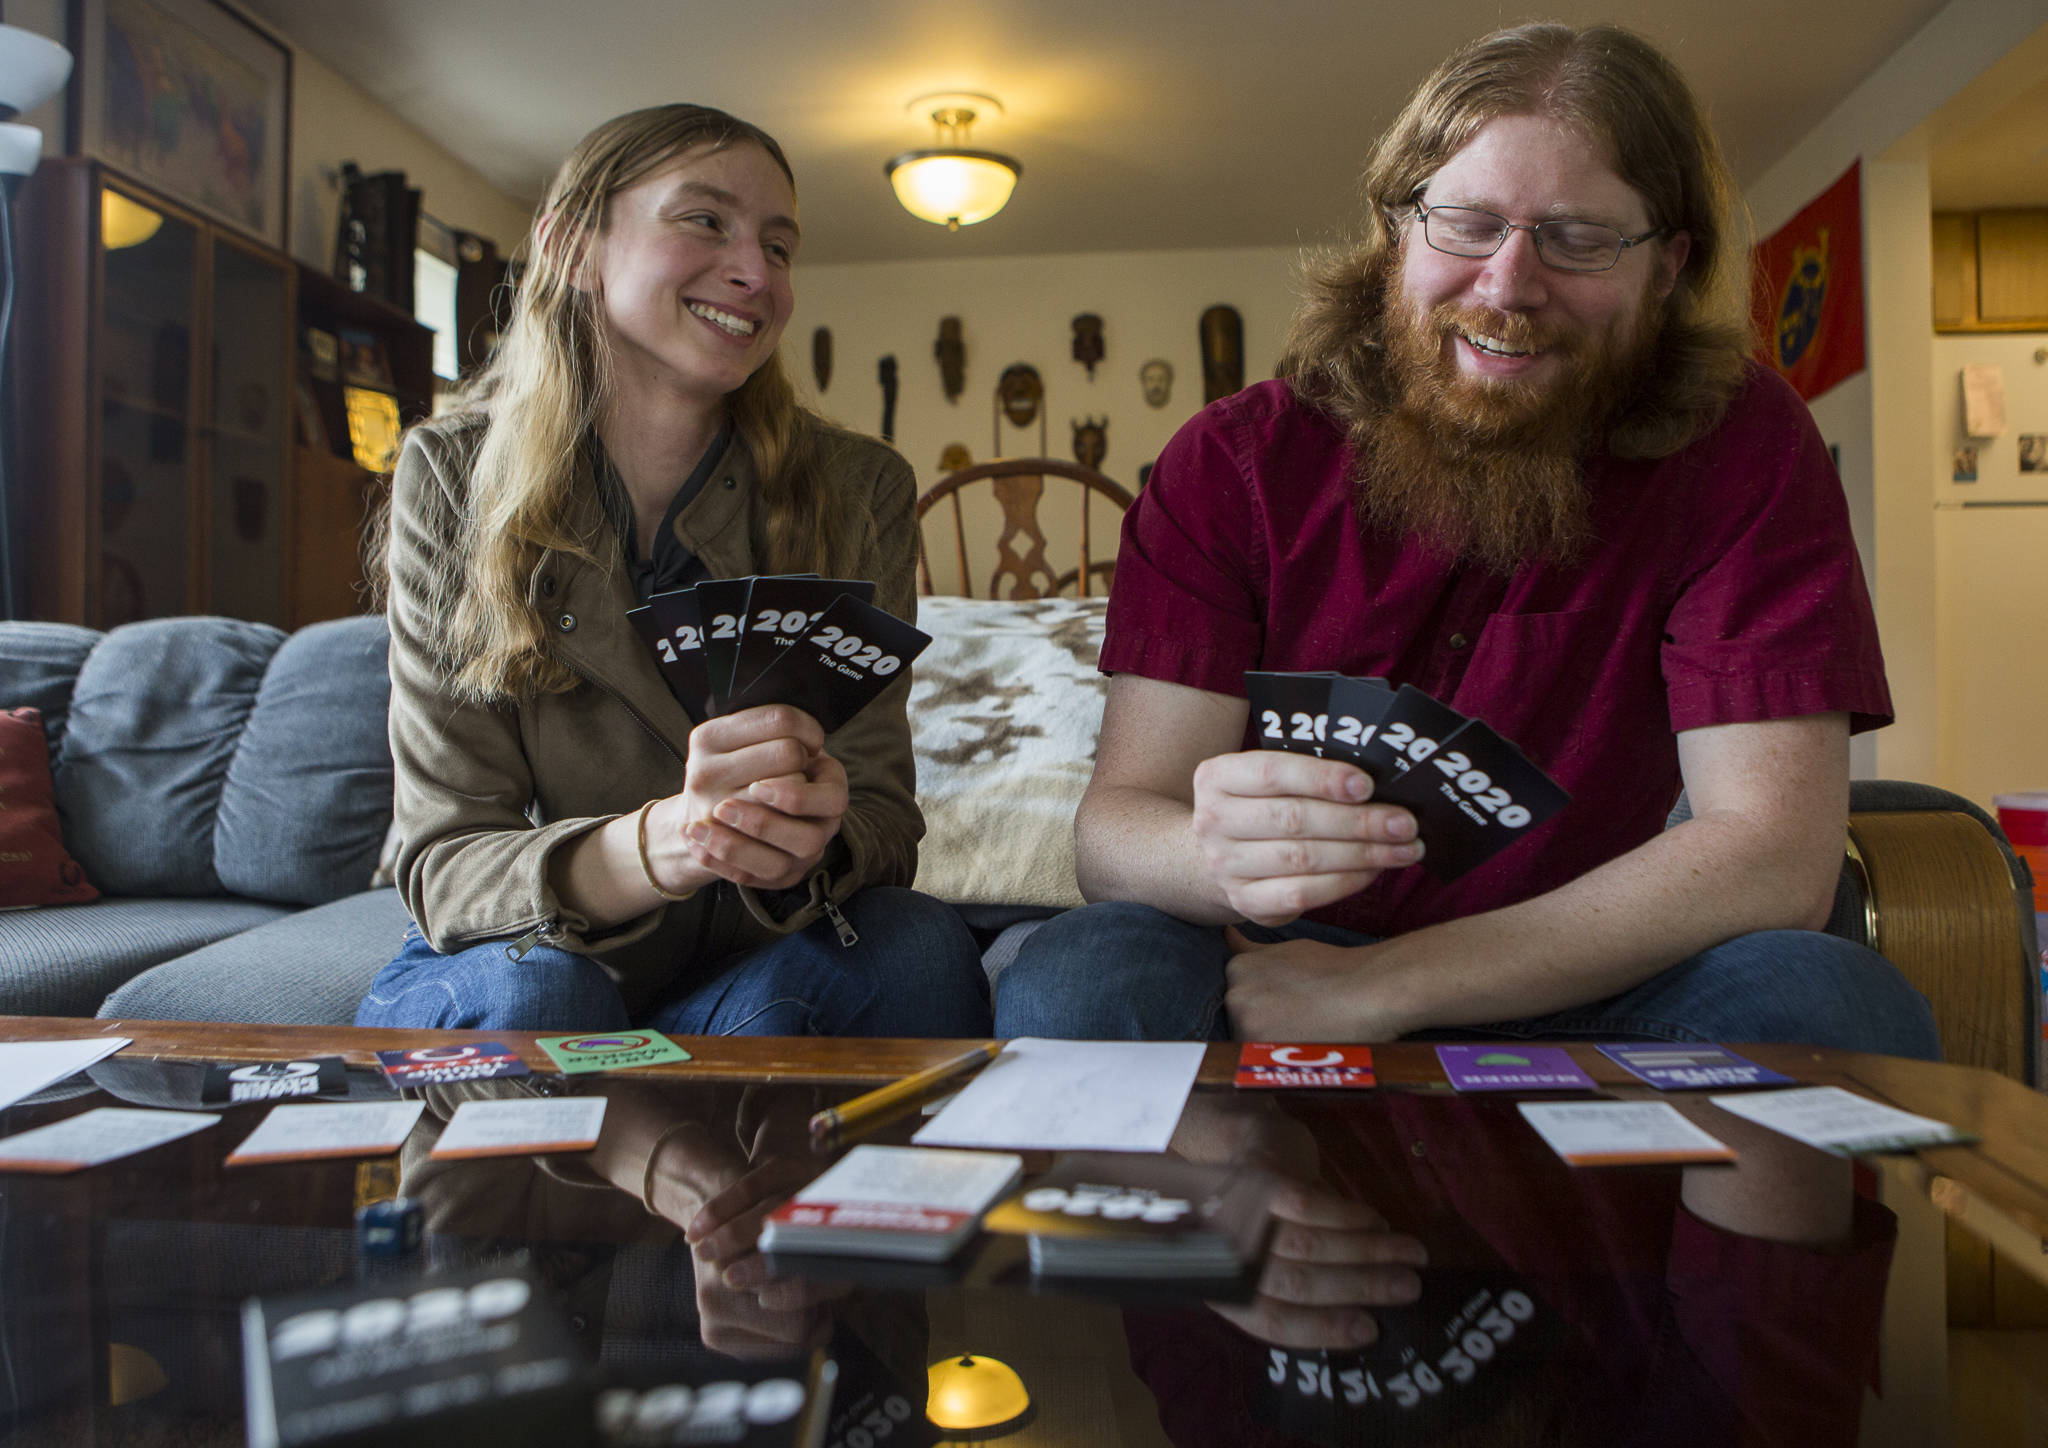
(841, 1123)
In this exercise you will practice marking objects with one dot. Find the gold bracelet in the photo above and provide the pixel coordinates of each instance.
(674, 1128)
(647, 865)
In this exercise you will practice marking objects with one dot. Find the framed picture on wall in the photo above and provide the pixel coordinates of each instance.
(190, 99)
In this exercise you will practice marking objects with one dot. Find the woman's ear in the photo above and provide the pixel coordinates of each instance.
(553, 239)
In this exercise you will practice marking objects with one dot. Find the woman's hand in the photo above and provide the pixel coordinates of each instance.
(761, 801)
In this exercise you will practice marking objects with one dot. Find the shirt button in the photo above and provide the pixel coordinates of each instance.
(1419, 1149)
(566, 623)
(547, 586)
(728, 482)
(1458, 641)
(579, 1323)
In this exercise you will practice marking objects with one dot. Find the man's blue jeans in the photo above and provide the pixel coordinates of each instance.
(915, 972)
(1118, 971)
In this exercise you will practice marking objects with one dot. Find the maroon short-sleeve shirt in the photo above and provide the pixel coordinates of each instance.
(1723, 587)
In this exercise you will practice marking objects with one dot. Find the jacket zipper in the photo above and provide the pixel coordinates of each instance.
(547, 932)
(847, 934)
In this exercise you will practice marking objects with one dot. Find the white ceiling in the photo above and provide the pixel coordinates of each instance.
(1141, 124)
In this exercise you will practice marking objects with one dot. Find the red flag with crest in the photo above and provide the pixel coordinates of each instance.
(1808, 290)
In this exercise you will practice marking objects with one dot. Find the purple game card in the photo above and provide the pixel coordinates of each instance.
(1512, 1068)
(1691, 1068)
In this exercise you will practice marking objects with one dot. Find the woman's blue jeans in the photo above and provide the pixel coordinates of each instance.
(1118, 971)
(914, 972)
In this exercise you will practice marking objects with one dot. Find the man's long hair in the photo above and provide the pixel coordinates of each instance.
(545, 389)
(1624, 96)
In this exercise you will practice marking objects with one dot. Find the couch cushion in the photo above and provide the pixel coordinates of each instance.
(307, 796)
(307, 969)
(62, 960)
(1004, 713)
(155, 719)
(39, 663)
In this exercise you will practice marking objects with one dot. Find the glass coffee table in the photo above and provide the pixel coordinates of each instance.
(1793, 1298)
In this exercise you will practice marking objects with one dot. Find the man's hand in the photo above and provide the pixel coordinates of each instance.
(761, 800)
(1281, 834)
(1331, 1259)
(1304, 990)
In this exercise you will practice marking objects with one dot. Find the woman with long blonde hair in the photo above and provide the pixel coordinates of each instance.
(579, 852)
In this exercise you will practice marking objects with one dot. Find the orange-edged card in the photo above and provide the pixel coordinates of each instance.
(1622, 1133)
(521, 1125)
(106, 1133)
(310, 1133)
(1263, 1065)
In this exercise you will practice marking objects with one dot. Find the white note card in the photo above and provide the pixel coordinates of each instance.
(304, 1133)
(1621, 1133)
(1983, 399)
(106, 1133)
(516, 1126)
(1072, 1096)
(1839, 1121)
(26, 1067)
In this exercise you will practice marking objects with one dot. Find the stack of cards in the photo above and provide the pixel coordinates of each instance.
(1472, 793)
(893, 1201)
(1114, 1215)
(818, 643)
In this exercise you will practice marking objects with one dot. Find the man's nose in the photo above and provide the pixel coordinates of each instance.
(1515, 278)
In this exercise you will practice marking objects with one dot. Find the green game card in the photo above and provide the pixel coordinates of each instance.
(611, 1051)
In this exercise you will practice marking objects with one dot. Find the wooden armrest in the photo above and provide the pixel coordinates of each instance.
(1939, 905)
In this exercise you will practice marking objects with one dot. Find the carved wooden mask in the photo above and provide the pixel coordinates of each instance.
(1091, 441)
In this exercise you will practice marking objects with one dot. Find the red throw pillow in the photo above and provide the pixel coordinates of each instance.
(35, 868)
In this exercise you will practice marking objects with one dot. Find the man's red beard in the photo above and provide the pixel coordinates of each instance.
(1493, 470)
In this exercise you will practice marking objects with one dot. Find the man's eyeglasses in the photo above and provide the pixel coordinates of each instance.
(1580, 246)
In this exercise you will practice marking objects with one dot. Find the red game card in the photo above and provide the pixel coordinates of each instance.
(1264, 1066)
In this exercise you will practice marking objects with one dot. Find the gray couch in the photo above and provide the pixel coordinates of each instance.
(227, 787)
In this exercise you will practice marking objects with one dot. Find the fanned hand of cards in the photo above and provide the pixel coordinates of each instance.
(818, 643)
(1472, 793)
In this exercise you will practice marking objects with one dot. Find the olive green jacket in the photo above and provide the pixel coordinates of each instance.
(486, 794)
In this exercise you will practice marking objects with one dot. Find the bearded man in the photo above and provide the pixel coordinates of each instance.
(1519, 460)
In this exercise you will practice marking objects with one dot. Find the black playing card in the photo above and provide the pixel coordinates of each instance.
(1356, 708)
(1290, 711)
(1472, 798)
(668, 624)
(778, 612)
(722, 611)
(853, 653)
(1413, 728)
(316, 1076)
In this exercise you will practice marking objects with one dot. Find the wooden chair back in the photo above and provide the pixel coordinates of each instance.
(1022, 568)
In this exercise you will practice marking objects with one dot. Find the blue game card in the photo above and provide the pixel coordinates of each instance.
(1691, 1068)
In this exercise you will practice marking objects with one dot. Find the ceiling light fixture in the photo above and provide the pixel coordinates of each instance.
(950, 184)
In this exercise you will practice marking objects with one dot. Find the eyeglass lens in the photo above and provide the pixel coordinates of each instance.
(1570, 245)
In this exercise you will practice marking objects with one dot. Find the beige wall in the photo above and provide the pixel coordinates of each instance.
(333, 122)
(1020, 309)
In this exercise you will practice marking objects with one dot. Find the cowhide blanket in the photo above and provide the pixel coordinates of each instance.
(1004, 710)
